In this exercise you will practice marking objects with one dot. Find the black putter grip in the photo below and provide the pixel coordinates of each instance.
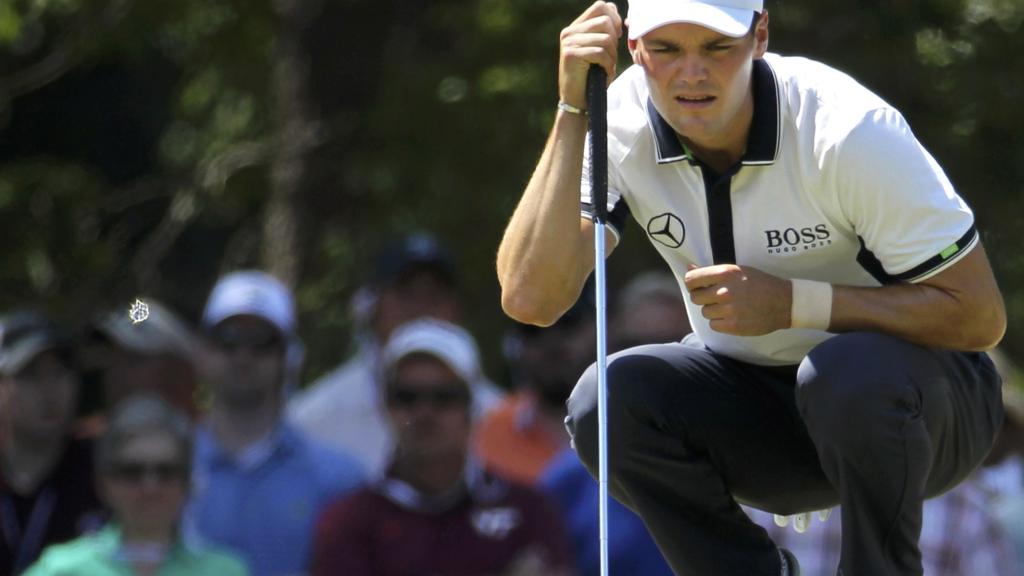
(597, 113)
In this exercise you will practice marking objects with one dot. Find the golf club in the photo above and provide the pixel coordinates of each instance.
(597, 98)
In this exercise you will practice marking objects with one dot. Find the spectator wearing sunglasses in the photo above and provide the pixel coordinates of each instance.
(436, 511)
(47, 493)
(413, 276)
(259, 483)
(142, 460)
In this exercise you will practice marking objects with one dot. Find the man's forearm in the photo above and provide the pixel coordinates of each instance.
(921, 313)
(543, 257)
(959, 308)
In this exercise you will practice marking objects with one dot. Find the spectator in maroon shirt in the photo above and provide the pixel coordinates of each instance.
(47, 493)
(435, 511)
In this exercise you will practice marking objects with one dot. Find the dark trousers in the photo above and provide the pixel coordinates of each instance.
(867, 421)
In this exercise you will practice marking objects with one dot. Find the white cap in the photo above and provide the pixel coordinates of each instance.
(729, 17)
(442, 340)
(251, 293)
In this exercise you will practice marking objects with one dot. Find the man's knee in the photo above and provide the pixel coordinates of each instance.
(581, 418)
(851, 386)
(631, 379)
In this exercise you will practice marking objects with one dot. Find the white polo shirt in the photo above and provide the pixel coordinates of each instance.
(833, 187)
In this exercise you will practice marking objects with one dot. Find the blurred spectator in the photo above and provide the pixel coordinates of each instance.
(143, 460)
(436, 511)
(959, 537)
(1003, 474)
(47, 493)
(964, 532)
(158, 355)
(631, 550)
(649, 310)
(413, 277)
(259, 483)
(520, 437)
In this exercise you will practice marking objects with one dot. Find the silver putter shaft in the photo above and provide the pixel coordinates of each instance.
(597, 98)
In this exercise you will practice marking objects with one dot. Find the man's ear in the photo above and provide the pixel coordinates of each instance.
(761, 35)
(631, 45)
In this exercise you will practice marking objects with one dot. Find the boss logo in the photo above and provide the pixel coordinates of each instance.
(789, 240)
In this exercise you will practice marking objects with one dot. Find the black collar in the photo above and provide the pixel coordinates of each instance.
(765, 129)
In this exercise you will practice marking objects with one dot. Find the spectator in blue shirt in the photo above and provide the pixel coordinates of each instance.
(631, 550)
(259, 483)
(649, 310)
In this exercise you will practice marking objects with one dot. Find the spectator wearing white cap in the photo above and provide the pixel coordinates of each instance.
(413, 277)
(436, 511)
(259, 483)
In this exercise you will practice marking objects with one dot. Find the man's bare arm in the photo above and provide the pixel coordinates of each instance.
(959, 308)
(546, 252)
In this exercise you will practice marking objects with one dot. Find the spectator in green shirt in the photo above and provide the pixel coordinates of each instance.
(142, 461)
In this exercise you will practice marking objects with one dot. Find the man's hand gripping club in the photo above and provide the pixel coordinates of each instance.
(591, 39)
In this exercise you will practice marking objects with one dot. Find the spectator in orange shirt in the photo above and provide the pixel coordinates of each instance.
(527, 430)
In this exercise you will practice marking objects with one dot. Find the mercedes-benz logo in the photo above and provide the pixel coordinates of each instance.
(667, 229)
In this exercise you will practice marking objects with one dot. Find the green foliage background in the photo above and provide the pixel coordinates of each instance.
(147, 146)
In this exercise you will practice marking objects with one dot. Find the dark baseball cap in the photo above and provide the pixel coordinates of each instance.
(25, 334)
(413, 252)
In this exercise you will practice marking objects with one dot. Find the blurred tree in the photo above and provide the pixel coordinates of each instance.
(146, 147)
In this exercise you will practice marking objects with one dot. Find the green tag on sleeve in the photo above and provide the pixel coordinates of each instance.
(949, 251)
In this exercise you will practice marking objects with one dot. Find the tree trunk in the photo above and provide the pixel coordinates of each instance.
(297, 132)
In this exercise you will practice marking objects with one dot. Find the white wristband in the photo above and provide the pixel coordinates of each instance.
(571, 109)
(812, 304)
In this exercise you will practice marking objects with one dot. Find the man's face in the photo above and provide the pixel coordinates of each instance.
(700, 80)
(420, 292)
(552, 359)
(429, 408)
(247, 361)
(172, 378)
(39, 401)
(652, 320)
